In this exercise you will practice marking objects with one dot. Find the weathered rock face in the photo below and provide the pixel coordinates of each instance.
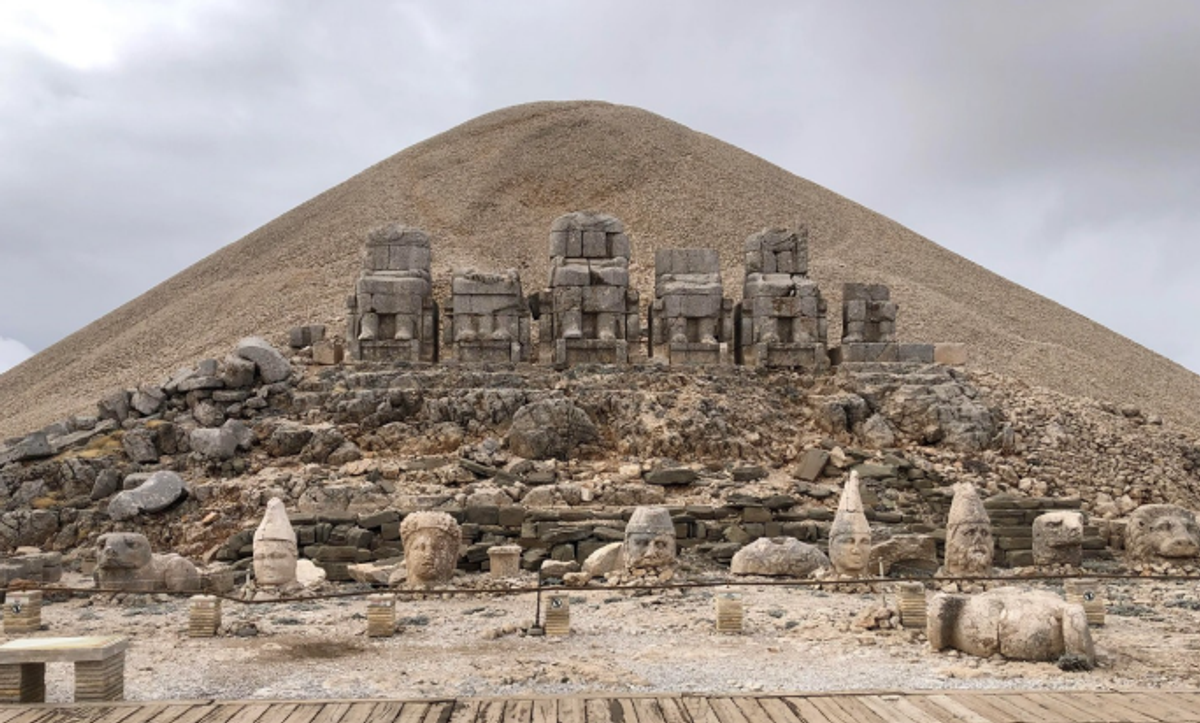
(431, 541)
(969, 547)
(161, 490)
(1018, 624)
(778, 556)
(272, 366)
(649, 540)
(1058, 539)
(124, 561)
(1162, 533)
(850, 535)
(550, 429)
(275, 550)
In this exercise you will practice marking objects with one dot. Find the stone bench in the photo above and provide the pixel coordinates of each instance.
(99, 667)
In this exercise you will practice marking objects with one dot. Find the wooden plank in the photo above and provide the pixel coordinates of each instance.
(1116, 702)
(1071, 705)
(491, 711)
(649, 710)
(519, 710)
(571, 710)
(778, 711)
(361, 712)
(411, 712)
(697, 708)
(303, 713)
(545, 710)
(673, 710)
(115, 714)
(991, 707)
(751, 708)
(962, 712)
(33, 715)
(832, 711)
(195, 713)
(805, 710)
(439, 712)
(277, 713)
(1032, 711)
(331, 712)
(931, 709)
(890, 710)
(465, 711)
(1067, 711)
(251, 712)
(854, 707)
(1165, 707)
(726, 710)
(386, 711)
(623, 710)
(597, 710)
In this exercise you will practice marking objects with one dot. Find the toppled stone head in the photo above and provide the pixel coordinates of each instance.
(649, 540)
(124, 562)
(1058, 539)
(782, 556)
(275, 550)
(1162, 533)
(850, 534)
(969, 547)
(431, 541)
(1018, 624)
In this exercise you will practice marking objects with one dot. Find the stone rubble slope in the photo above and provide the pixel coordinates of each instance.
(486, 192)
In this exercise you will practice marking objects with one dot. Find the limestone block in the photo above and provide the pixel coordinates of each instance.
(1018, 624)
(160, 491)
(328, 352)
(302, 336)
(404, 256)
(619, 246)
(237, 373)
(504, 561)
(558, 243)
(1058, 538)
(217, 444)
(952, 353)
(778, 556)
(272, 366)
(570, 275)
(147, 399)
(904, 556)
(595, 244)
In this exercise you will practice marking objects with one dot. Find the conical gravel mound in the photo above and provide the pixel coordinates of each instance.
(487, 191)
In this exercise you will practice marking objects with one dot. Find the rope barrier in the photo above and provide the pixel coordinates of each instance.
(688, 585)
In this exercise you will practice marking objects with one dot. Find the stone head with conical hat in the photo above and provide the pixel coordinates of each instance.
(968, 534)
(649, 540)
(275, 550)
(850, 535)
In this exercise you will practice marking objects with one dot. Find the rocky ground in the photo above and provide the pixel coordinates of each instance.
(472, 645)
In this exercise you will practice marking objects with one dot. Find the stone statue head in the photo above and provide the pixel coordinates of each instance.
(850, 534)
(969, 547)
(125, 550)
(1058, 538)
(275, 550)
(1162, 533)
(431, 541)
(649, 539)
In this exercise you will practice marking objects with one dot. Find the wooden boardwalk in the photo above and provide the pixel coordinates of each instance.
(857, 707)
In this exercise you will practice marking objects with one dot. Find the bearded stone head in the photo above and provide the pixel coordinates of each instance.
(969, 546)
(649, 539)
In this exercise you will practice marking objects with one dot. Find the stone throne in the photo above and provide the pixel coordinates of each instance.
(690, 320)
(781, 321)
(488, 319)
(869, 328)
(392, 314)
(589, 314)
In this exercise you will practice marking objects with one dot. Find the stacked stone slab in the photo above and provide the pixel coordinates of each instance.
(489, 319)
(869, 328)
(781, 321)
(23, 612)
(392, 314)
(589, 314)
(690, 320)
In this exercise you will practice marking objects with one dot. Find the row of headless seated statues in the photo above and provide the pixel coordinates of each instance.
(590, 312)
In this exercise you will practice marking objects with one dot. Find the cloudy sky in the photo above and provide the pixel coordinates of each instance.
(1054, 142)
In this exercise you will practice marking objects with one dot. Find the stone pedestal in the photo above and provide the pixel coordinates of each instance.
(100, 679)
(912, 604)
(1087, 593)
(729, 613)
(23, 612)
(381, 616)
(558, 614)
(504, 561)
(204, 616)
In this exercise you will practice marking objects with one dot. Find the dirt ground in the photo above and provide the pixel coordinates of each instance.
(794, 639)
